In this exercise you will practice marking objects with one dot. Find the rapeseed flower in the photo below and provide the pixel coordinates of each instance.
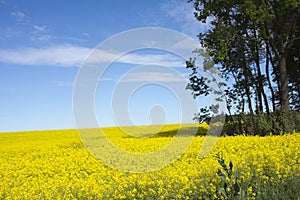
(56, 165)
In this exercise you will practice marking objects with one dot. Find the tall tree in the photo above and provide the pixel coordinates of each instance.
(256, 44)
(277, 21)
(251, 32)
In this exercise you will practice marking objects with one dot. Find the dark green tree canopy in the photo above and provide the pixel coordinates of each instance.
(257, 44)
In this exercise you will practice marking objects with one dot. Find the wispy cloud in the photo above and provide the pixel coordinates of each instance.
(21, 17)
(69, 55)
(18, 14)
(39, 28)
(85, 34)
(148, 59)
(39, 33)
(35, 32)
(41, 37)
(154, 76)
(64, 55)
(9, 33)
(63, 83)
(183, 13)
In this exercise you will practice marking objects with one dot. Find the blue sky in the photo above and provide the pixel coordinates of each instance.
(44, 43)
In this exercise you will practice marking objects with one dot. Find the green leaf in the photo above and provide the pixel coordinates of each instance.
(223, 192)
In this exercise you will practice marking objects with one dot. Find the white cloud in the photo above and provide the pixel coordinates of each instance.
(85, 34)
(64, 55)
(39, 28)
(69, 55)
(162, 59)
(39, 33)
(18, 14)
(21, 17)
(41, 37)
(185, 44)
(149, 76)
(63, 83)
(183, 13)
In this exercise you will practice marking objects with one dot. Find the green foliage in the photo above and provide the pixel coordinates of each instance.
(231, 187)
(276, 123)
(197, 83)
(275, 187)
(256, 46)
(287, 188)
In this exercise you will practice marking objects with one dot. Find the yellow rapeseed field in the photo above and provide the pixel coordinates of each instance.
(56, 165)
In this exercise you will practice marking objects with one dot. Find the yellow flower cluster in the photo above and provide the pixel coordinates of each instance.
(56, 165)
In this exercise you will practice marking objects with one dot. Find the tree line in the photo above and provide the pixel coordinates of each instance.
(256, 46)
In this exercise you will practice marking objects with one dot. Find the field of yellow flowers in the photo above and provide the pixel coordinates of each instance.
(56, 165)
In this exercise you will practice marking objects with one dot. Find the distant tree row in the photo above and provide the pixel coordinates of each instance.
(256, 45)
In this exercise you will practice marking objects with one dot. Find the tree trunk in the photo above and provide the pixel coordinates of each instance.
(284, 89)
(277, 79)
(246, 85)
(259, 81)
(268, 77)
(247, 89)
(259, 85)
